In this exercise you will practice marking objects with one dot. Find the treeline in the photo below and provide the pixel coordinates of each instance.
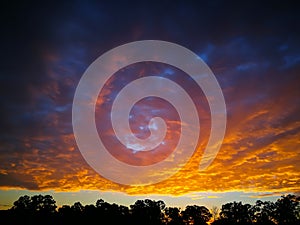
(42, 210)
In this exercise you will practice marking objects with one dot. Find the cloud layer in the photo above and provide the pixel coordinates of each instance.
(255, 59)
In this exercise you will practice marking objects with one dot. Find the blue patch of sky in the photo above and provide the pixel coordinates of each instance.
(246, 66)
(207, 52)
(283, 47)
(291, 60)
(63, 108)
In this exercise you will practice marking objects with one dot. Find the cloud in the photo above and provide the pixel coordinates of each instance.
(256, 63)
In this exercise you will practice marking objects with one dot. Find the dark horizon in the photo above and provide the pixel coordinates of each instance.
(43, 209)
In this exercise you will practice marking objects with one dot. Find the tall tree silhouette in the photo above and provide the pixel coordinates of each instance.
(263, 213)
(288, 210)
(215, 212)
(147, 212)
(196, 215)
(22, 204)
(35, 209)
(173, 216)
(236, 213)
(116, 214)
(66, 215)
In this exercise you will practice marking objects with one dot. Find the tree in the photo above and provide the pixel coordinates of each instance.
(66, 215)
(21, 211)
(43, 204)
(36, 209)
(22, 204)
(65, 210)
(99, 203)
(41, 209)
(196, 215)
(287, 209)
(147, 212)
(116, 214)
(77, 207)
(215, 212)
(236, 213)
(263, 212)
(36, 203)
(173, 216)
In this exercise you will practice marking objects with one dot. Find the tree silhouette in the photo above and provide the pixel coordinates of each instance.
(116, 214)
(215, 212)
(22, 204)
(89, 215)
(66, 215)
(40, 209)
(77, 207)
(196, 215)
(263, 213)
(36, 203)
(287, 210)
(173, 216)
(236, 213)
(147, 212)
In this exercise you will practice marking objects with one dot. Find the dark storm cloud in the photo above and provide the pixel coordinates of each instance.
(253, 49)
(18, 180)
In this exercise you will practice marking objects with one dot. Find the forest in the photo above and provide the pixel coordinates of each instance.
(42, 210)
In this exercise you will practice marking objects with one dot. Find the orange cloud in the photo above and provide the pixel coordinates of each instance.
(256, 161)
(260, 152)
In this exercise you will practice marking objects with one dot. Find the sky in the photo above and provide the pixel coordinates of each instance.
(252, 48)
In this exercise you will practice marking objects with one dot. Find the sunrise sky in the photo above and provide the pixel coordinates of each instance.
(253, 50)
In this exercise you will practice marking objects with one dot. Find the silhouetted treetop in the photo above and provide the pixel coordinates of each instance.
(36, 203)
(196, 215)
(42, 209)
